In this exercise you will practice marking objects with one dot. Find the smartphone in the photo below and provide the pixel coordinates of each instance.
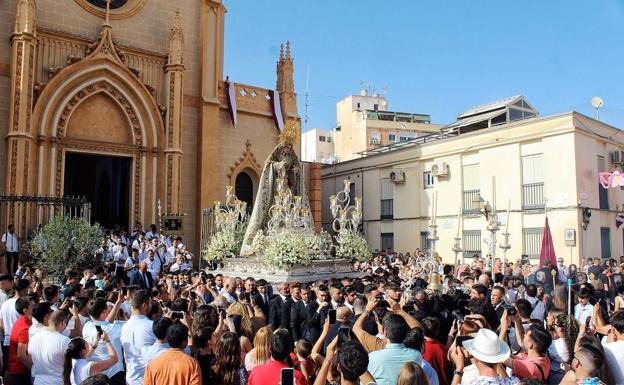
(459, 340)
(344, 335)
(287, 376)
(223, 313)
(587, 323)
(124, 291)
(408, 308)
(332, 316)
(247, 297)
(99, 329)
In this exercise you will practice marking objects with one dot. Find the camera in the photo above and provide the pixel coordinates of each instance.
(457, 314)
(510, 309)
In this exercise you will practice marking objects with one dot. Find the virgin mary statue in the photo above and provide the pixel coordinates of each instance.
(282, 162)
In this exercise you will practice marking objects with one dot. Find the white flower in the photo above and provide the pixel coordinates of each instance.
(351, 245)
(287, 248)
(222, 245)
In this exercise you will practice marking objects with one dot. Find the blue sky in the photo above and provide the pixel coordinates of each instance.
(436, 57)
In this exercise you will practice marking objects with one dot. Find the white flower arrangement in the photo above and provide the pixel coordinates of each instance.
(258, 243)
(352, 245)
(287, 248)
(222, 245)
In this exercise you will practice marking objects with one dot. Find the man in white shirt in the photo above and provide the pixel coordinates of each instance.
(154, 265)
(539, 309)
(6, 285)
(10, 241)
(152, 233)
(583, 309)
(136, 333)
(8, 314)
(104, 315)
(614, 351)
(47, 351)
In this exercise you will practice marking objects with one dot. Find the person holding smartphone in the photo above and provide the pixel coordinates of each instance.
(103, 318)
(271, 372)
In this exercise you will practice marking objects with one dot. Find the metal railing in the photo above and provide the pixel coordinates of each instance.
(27, 213)
(469, 197)
(207, 228)
(533, 196)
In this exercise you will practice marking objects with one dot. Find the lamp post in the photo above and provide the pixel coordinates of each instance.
(457, 249)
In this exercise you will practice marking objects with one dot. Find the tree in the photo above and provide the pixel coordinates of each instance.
(66, 243)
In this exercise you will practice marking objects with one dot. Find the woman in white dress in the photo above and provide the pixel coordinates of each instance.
(76, 367)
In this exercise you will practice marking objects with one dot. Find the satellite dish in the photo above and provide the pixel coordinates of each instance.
(597, 102)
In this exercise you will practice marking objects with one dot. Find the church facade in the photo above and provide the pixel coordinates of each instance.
(129, 107)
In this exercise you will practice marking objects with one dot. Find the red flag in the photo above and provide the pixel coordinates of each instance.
(547, 254)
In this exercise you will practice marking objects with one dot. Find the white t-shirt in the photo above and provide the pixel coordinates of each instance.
(47, 350)
(80, 371)
(9, 315)
(136, 333)
(558, 353)
(101, 352)
(614, 352)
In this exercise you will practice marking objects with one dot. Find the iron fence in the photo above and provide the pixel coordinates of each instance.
(533, 196)
(469, 197)
(27, 213)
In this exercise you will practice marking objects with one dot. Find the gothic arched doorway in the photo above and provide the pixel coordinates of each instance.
(243, 188)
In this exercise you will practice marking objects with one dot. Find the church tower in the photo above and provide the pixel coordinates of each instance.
(286, 88)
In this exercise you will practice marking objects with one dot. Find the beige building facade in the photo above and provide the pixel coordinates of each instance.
(144, 89)
(317, 145)
(364, 122)
(535, 166)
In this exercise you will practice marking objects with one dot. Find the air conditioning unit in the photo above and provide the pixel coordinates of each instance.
(375, 141)
(397, 176)
(440, 169)
(617, 157)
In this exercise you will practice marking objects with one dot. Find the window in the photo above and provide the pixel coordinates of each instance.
(532, 182)
(387, 241)
(329, 139)
(392, 137)
(605, 242)
(603, 194)
(472, 243)
(358, 105)
(375, 106)
(425, 244)
(321, 138)
(351, 193)
(514, 115)
(471, 187)
(387, 209)
(532, 241)
(427, 180)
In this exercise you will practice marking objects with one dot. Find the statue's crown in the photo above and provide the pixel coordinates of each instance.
(290, 132)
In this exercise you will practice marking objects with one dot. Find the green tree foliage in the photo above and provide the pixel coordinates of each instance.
(66, 243)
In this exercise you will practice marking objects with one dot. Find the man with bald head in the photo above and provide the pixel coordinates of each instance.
(343, 319)
(142, 277)
(229, 289)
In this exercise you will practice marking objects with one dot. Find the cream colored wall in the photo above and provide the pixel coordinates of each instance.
(499, 153)
(7, 17)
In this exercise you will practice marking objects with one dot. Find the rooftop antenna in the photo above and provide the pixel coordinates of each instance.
(305, 115)
(597, 103)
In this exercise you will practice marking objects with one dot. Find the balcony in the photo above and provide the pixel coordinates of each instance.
(533, 196)
(469, 197)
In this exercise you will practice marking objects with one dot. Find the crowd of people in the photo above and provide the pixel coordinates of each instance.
(145, 316)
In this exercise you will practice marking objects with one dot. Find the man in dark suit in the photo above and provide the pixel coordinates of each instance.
(279, 308)
(141, 277)
(318, 313)
(262, 296)
(301, 314)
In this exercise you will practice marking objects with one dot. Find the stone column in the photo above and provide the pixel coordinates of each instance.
(174, 83)
(21, 142)
(210, 182)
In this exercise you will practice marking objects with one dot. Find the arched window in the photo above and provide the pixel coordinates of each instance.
(244, 189)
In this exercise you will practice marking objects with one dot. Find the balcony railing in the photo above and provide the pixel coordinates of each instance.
(469, 197)
(387, 209)
(533, 196)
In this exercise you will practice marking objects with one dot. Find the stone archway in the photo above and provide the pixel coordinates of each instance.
(247, 164)
(67, 118)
